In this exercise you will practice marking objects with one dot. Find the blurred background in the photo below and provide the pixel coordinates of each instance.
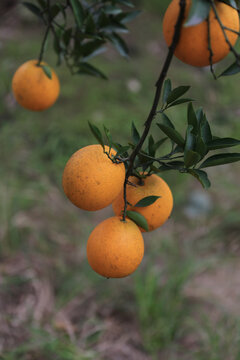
(184, 300)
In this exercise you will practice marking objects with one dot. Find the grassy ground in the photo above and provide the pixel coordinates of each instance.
(183, 302)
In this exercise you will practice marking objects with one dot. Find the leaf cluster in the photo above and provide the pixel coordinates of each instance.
(81, 29)
(190, 149)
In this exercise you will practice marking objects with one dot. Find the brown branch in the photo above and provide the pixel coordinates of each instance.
(159, 84)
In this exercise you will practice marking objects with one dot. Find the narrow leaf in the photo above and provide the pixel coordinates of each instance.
(119, 44)
(231, 70)
(205, 130)
(138, 218)
(220, 159)
(47, 71)
(97, 133)
(167, 88)
(172, 134)
(33, 8)
(166, 121)
(201, 176)
(135, 134)
(77, 11)
(177, 93)
(108, 136)
(222, 143)
(148, 200)
(180, 101)
(88, 69)
(191, 158)
(192, 118)
(198, 13)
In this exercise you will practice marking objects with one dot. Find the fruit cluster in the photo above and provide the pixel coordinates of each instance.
(93, 179)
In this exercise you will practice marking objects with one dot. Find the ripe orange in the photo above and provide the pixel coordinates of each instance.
(193, 43)
(157, 213)
(91, 180)
(115, 248)
(32, 88)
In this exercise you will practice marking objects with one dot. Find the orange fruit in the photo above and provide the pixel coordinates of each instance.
(32, 88)
(157, 213)
(91, 180)
(115, 248)
(192, 47)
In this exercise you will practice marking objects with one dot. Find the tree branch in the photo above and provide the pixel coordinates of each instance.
(159, 84)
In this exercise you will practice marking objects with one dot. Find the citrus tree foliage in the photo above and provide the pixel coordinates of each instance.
(80, 29)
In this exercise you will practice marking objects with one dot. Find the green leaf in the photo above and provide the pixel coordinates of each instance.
(125, 2)
(114, 26)
(90, 47)
(177, 93)
(201, 148)
(128, 16)
(33, 8)
(151, 149)
(201, 176)
(230, 3)
(119, 44)
(205, 130)
(198, 13)
(112, 10)
(172, 165)
(78, 12)
(108, 136)
(199, 115)
(191, 158)
(121, 150)
(222, 143)
(158, 144)
(166, 121)
(138, 218)
(88, 69)
(190, 139)
(180, 101)
(148, 200)
(135, 134)
(192, 118)
(90, 25)
(47, 71)
(97, 133)
(220, 159)
(167, 88)
(231, 70)
(172, 134)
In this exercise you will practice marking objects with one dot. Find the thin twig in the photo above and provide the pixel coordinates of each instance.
(159, 84)
(45, 36)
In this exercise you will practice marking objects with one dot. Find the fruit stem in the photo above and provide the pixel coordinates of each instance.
(153, 111)
(43, 45)
(49, 26)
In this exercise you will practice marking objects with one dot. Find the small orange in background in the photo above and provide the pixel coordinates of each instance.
(91, 180)
(32, 88)
(115, 248)
(193, 46)
(157, 213)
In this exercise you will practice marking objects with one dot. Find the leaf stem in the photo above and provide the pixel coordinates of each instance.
(159, 84)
